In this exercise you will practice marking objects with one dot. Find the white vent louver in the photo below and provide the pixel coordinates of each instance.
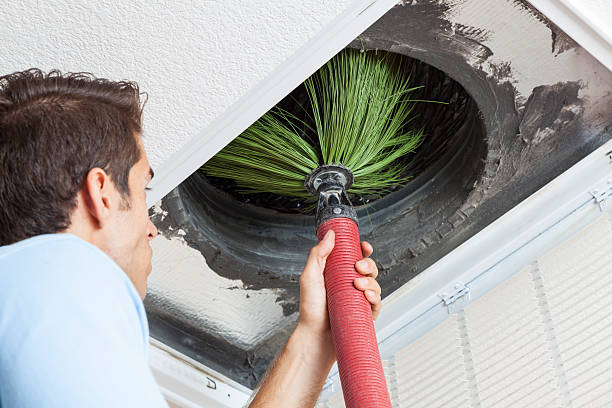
(576, 278)
(542, 338)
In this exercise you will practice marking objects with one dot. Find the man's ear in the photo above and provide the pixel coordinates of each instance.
(100, 195)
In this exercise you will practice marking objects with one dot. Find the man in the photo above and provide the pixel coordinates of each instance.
(75, 255)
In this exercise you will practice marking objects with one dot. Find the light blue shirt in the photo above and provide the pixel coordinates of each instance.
(73, 329)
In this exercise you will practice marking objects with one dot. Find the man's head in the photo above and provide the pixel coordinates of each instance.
(72, 160)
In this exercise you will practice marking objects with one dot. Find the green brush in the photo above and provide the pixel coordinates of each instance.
(360, 110)
(358, 143)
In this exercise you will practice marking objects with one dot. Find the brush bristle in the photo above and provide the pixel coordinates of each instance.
(360, 107)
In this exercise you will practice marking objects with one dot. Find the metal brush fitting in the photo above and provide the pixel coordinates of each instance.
(330, 182)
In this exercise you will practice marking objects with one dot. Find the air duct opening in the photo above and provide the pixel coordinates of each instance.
(440, 122)
(262, 238)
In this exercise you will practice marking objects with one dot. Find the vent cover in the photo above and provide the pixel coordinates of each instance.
(541, 338)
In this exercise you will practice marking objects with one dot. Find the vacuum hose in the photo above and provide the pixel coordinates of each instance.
(350, 314)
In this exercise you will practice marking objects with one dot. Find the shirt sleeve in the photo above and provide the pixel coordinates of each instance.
(72, 338)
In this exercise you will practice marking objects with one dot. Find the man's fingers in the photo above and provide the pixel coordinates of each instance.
(371, 291)
(367, 267)
(368, 284)
(320, 252)
(375, 301)
(326, 245)
(366, 249)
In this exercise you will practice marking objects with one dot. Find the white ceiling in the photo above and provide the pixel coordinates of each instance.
(194, 58)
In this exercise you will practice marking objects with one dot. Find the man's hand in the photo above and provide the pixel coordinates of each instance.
(295, 379)
(313, 303)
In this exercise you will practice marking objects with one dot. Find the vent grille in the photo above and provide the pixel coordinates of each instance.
(512, 360)
(577, 280)
(431, 372)
(543, 338)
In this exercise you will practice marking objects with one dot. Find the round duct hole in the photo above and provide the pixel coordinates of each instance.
(264, 240)
(440, 122)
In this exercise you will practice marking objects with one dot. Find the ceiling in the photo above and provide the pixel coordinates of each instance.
(195, 59)
(211, 68)
(544, 103)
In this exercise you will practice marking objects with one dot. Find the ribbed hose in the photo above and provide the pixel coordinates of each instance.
(350, 316)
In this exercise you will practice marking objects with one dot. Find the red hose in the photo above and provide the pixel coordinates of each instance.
(350, 316)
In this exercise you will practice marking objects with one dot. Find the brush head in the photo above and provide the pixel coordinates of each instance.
(358, 113)
(328, 176)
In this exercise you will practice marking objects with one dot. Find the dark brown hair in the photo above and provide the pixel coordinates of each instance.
(54, 128)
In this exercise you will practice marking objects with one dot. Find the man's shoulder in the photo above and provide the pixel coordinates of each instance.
(73, 328)
(64, 272)
(42, 247)
(55, 258)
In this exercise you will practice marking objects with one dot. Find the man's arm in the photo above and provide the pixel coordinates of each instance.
(296, 377)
